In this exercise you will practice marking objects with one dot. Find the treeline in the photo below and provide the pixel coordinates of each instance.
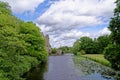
(109, 45)
(65, 49)
(87, 45)
(22, 45)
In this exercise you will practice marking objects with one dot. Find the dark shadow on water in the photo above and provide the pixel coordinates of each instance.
(36, 73)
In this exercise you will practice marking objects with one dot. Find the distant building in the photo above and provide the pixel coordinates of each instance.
(48, 46)
(59, 52)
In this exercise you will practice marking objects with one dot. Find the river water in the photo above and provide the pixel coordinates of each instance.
(63, 68)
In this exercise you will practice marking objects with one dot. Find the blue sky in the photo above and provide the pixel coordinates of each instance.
(29, 16)
(66, 20)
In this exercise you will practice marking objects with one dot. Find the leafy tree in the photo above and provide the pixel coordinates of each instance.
(91, 46)
(4, 8)
(102, 42)
(22, 45)
(112, 52)
(86, 44)
(66, 49)
(76, 47)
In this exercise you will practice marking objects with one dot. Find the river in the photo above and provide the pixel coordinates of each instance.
(64, 68)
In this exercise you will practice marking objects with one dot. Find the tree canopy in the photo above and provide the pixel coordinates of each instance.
(112, 52)
(22, 46)
(91, 46)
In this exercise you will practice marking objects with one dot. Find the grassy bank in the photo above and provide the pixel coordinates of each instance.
(97, 58)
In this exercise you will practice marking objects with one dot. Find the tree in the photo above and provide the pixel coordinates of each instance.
(4, 8)
(102, 42)
(86, 44)
(112, 52)
(66, 49)
(76, 48)
(22, 45)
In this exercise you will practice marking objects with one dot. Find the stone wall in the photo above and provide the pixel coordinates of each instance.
(48, 46)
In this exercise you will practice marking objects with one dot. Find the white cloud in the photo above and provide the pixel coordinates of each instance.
(66, 38)
(104, 31)
(74, 34)
(69, 37)
(64, 19)
(77, 13)
(21, 6)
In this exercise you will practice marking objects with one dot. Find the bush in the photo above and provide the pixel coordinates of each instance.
(82, 52)
(54, 50)
(112, 54)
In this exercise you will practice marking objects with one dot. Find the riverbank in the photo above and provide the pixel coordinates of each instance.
(90, 68)
(98, 58)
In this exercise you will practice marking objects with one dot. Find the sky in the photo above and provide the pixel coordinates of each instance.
(65, 21)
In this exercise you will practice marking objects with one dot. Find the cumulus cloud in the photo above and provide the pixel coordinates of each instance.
(66, 38)
(21, 6)
(104, 31)
(65, 18)
(69, 37)
(79, 13)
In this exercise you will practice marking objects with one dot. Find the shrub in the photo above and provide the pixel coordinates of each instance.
(112, 54)
(54, 50)
(82, 52)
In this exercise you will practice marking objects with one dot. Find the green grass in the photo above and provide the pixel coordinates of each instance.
(97, 58)
(78, 59)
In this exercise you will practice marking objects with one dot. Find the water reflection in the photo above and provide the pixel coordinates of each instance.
(61, 68)
(36, 73)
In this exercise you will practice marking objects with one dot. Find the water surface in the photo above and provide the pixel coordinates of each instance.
(64, 68)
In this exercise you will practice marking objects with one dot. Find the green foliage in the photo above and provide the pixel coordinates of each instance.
(86, 44)
(82, 52)
(22, 45)
(76, 47)
(54, 50)
(2, 76)
(4, 8)
(98, 58)
(112, 52)
(102, 42)
(66, 49)
(90, 46)
(114, 24)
